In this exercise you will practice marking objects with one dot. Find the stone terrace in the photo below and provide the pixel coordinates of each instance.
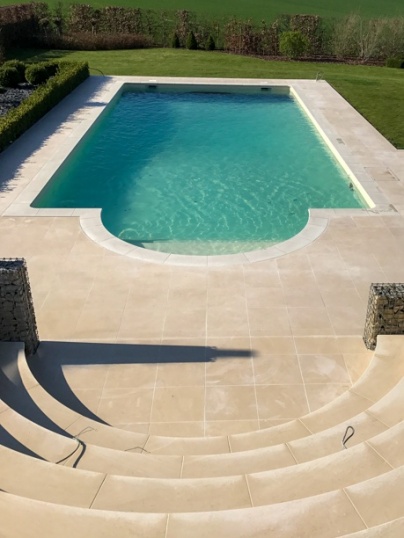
(288, 329)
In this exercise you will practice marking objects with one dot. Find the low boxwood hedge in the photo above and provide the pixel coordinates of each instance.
(36, 74)
(45, 97)
(19, 65)
(9, 77)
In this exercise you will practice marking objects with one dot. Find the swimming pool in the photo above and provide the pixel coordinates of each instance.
(187, 171)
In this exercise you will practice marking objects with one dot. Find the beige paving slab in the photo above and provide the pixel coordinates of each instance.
(330, 440)
(242, 462)
(227, 427)
(61, 484)
(383, 492)
(390, 409)
(389, 445)
(178, 429)
(173, 404)
(273, 345)
(126, 405)
(281, 401)
(393, 529)
(119, 376)
(269, 322)
(225, 321)
(320, 394)
(277, 370)
(153, 495)
(27, 518)
(186, 374)
(322, 368)
(310, 320)
(313, 478)
(228, 371)
(230, 403)
(317, 517)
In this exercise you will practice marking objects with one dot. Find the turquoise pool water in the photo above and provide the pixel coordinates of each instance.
(193, 172)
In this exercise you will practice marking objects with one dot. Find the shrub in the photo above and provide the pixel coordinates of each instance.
(51, 68)
(191, 41)
(293, 44)
(175, 41)
(363, 39)
(395, 62)
(19, 65)
(210, 44)
(87, 41)
(9, 77)
(36, 74)
(45, 97)
(2, 90)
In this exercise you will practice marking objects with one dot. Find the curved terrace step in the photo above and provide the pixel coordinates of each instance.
(391, 529)
(52, 447)
(252, 461)
(386, 366)
(46, 481)
(356, 508)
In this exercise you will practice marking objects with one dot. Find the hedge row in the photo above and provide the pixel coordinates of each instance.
(45, 97)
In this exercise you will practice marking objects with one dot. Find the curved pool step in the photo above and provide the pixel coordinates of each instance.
(356, 508)
(386, 366)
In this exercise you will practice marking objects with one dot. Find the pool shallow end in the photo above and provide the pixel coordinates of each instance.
(92, 226)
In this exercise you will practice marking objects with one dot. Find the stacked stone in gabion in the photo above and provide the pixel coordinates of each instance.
(17, 315)
(385, 313)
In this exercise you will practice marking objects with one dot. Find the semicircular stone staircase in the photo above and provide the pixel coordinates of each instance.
(64, 474)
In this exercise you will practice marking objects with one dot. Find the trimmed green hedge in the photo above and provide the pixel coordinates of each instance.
(36, 74)
(45, 97)
(395, 62)
(9, 77)
(19, 65)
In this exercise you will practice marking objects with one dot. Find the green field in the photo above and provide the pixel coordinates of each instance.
(376, 92)
(256, 9)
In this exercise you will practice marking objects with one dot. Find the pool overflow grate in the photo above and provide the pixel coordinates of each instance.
(266, 89)
(152, 87)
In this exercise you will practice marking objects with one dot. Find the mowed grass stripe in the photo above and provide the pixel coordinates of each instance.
(255, 9)
(376, 92)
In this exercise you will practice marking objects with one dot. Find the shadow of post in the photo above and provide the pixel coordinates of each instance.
(51, 357)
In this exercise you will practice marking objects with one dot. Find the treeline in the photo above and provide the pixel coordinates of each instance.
(295, 36)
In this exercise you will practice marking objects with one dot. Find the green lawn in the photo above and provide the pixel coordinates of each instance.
(256, 9)
(376, 92)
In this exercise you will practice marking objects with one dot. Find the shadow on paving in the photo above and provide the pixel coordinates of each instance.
(12, 158)
(14, 394)
(7, 440)
(50, 359)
